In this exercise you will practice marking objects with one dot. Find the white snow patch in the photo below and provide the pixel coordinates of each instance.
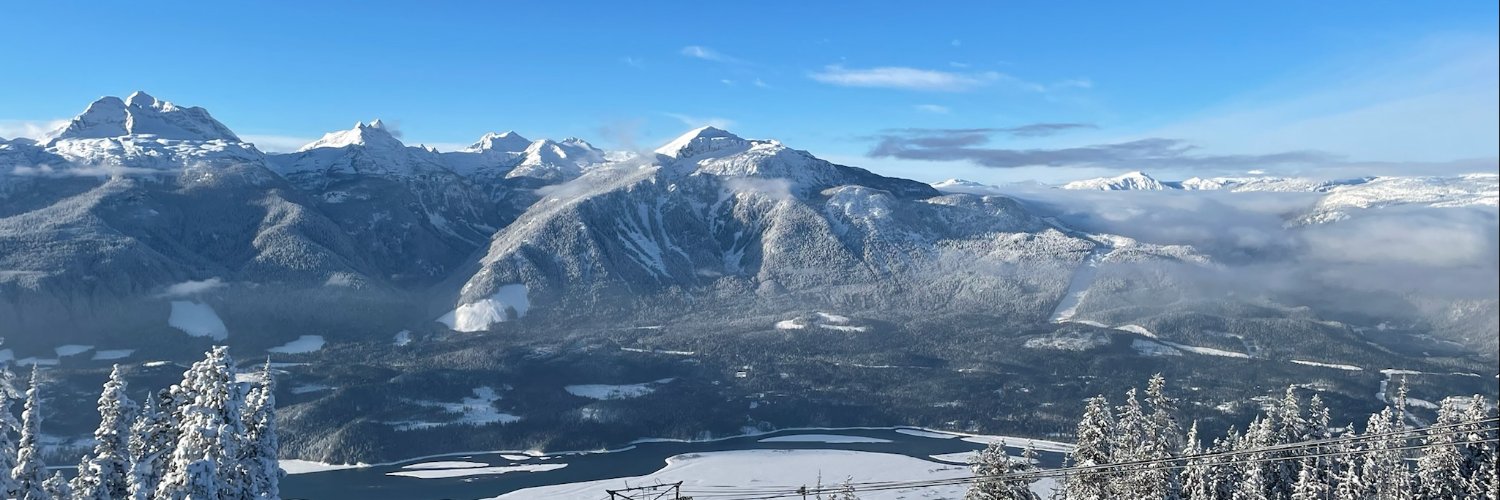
(1149, 348)
(37, 361)
(476, 411)
(1336, 366)
(478, 316)
(607, 391)
(450, 464)
(71, 350)
(303, 345)
(1136, 329)
(403, 338)
(823, 438)
(295, 466)
(833, 318)
(789, 324)
(926, 433)
(1020, 442)
(197, 319)
(845, 328)
(750, 468)
(154, 364)
(476, 471)
(1207, 351)
(109, 354)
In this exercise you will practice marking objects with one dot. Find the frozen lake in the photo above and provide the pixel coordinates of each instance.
(788, 457)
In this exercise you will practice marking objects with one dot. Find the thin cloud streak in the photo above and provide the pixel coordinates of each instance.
(1155, 152)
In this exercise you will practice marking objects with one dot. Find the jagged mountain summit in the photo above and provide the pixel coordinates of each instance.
(1129, 181)
(142, 114)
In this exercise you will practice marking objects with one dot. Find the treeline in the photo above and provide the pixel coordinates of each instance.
(208, 437)
(1290, 452)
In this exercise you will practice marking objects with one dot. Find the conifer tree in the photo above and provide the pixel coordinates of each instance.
(259, 455)
(1439, 466)
(989, 464)
(57, 487)
(1477, 451)
(104, 473)
(1310, 484)
(1196, 482)
(8, 425)
(151, 444)
(30, 472)
(204, 463)
(1093, 449)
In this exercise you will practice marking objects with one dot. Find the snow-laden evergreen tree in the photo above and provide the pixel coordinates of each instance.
(1094, 448)
(8, 395)
(204, 463)
(1132, 443)
(258, 456)
(1477, 451)
(1256, 473)
(57, 487)
(1440, 464)
(30, 473)
(1225, 476)
(1310, 483)
(1290, 426)
(1384, 471)
(104, 473)
(1197, 484)
(1163, 438)
(989, 465)
(151, 443)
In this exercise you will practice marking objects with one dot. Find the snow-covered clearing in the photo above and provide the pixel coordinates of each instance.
(1020, 442)
(1136, 329)
(703, 472)
(845, 328)
(823, 438)
(833, 318)
(71, 350)
(1335, 366)
(479, 315)
(1078, 286)
(109, 354)
(476, 471)
(1207, 351)
(295, 466)
(403, 338)
(789, 324)
(197, 319)
(478, 410)
(303, 345)
(607, 391)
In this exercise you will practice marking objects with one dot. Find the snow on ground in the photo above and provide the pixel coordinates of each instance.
(72, 350)
(197, 319)
(833, 318)
(607, 391)
(1207, 351)
(1078, 285)
(295, 466)
(1021, 442)
(516, 457)
(449, 464)
(789, 324)
(303, 345)
(845, 328)
(926, 434)
(479, 315)
(476, 471)
(705, 472)
(403, 338)
(109, 354)
(1336, 366)
(154, 364)
(1136, 329)
(1149, 348)
(478, 410)
(823, 438)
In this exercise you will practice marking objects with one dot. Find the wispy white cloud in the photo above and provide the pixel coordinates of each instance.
(760, 83)
(904, 78)
(699, 121)
(707, 54)
(29, 129)
(276, 143)
(936, 109)
(632, 61)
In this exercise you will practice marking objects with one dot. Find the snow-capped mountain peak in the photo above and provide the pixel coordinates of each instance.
(507, 141)
(373, 135)
(700, 141)
(142, 114)
(1133, 181)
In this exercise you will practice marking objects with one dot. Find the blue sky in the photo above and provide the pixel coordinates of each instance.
(931, 90)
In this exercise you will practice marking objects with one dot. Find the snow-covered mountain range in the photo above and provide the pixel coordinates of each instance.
(100, 221)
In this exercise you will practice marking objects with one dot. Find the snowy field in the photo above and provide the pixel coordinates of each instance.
(303, 345)
(607, 391)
